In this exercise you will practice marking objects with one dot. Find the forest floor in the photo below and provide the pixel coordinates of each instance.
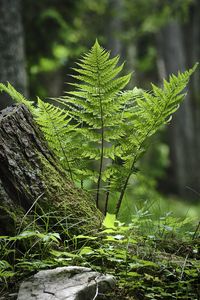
(165, 265)
(171, 271)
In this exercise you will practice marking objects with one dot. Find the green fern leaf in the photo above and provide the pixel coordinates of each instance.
(16, 96)
(149, 112)
(97, 104)
(54, 123)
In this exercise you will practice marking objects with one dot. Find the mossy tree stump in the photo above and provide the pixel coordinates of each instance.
(30, 176)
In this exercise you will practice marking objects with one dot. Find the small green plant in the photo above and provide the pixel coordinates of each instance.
(112, 125)
(146, 261)
(151, 259)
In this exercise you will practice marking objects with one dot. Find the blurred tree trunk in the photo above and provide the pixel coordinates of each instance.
(114, 28)
(178, 47)
(12, 57)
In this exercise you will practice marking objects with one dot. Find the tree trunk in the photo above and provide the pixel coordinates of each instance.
(114, 28)
(30, 177)
(183, 131)
(12, 57)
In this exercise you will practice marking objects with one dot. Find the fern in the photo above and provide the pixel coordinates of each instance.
(96, 105)
(151, 110)
(102, 123)
(54, 123)
(16, 96)
(120, 122)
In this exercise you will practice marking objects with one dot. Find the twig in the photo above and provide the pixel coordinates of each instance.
(97, 290)
(97, 287)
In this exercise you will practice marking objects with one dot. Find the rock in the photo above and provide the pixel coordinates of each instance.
(66, 283)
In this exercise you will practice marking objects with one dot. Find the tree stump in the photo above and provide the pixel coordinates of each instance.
(31, 177)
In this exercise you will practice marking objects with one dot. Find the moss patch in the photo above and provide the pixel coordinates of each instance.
(62, 199)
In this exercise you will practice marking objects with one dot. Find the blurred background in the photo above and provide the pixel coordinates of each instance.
(40, 41)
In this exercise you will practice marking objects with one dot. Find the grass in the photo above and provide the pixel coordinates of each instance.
(142, 194)
(152, 257)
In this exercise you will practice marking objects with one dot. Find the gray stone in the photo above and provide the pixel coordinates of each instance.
(66, 283)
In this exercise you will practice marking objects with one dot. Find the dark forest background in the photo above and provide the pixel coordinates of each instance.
(41, 40)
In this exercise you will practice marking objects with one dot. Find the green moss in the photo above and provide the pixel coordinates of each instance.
(11, 218)
(65, 200)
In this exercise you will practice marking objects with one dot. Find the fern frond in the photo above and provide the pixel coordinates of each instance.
(97, 104)
(151, 110)
(54, 123)
(16, 96)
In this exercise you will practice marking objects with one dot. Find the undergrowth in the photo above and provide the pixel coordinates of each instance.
(151, 259)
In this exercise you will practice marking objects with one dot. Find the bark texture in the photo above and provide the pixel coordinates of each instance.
(31, 177)
(12, 57)
(178, 46)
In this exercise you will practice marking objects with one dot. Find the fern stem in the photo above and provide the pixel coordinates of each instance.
(107, 197)
(82, 184)
(100, 167)
(119, 202)
(102, 140)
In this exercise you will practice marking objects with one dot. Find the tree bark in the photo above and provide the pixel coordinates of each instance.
(12, 56)
(184, 129)
(30, 177)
